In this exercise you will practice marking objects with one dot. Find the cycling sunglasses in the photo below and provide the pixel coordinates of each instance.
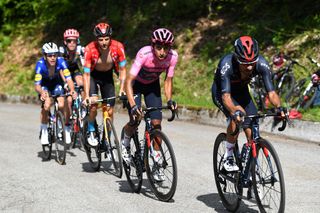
(160, 47)
(71, 40)
(247, 63)
(50, 55)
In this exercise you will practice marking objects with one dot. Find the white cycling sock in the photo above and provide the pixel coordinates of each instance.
(229, 149)
(126, 140)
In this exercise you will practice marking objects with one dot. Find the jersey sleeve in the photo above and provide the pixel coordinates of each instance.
(173, 64)
(225, 74)
(87, 59)
(138, 63)
(38, 74)
(64, 68)
(264, 69)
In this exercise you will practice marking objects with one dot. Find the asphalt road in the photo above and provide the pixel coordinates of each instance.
(28, 184)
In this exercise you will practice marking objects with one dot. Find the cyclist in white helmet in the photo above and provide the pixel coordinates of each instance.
(50, 71)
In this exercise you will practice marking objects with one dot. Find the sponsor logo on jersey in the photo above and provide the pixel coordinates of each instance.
(66, 72)
(224, 69)
(37, 77)
(265, 65)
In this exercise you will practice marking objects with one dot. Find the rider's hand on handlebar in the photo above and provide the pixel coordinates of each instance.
(43, 95)
(86, 101)
(172, 104)
(281, 111)
(136, 112)
(238, 116)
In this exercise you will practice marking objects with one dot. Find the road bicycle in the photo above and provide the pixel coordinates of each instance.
(142, 159)
(77, 115)
(259, 170)
(56, 134)
(108, 143)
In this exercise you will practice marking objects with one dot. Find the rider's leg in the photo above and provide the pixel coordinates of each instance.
(79, 80)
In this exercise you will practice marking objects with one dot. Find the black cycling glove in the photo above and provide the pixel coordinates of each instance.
(172, 104)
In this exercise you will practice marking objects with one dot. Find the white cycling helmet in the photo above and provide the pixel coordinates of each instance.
(49, 48)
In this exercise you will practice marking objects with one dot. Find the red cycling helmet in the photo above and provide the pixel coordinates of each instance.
(163, 36)
(71, 33)
(246, 49)
(102, 29)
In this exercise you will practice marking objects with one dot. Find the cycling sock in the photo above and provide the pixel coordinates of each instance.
(126, 140)
(43, 126)
(229, 149)
(91, 126)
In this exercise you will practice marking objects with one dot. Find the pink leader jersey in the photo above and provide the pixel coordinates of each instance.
(147, 67)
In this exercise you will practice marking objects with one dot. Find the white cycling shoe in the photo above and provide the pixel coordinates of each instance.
(44, 136)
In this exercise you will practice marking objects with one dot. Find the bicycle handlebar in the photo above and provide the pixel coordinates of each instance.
(263, 115)
(173, 111)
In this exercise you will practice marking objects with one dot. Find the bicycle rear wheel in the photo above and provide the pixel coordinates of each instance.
(93, 152)
(134, 169)
(268, 181)
(113, 149)
(226, 182)
(60, 138)
(166, 165)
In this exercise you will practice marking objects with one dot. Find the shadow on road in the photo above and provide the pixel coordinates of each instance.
(213, 201)
(145, 189)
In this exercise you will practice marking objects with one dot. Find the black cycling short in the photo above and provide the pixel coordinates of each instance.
(152, 96)
(105, 82)
(240, 97)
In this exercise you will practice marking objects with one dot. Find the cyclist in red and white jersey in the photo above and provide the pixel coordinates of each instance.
(102, 57)
(73, 54)
(143, 79)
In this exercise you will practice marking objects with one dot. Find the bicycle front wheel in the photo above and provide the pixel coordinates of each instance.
(134, 168)
(93, 152)
(268, 180)
(164, 186)
(60, 138)
(113, 149)
(226, 182)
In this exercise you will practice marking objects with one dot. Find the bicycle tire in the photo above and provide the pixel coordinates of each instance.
(286, 86)
(113, 149)
(60, 138)
(268, 178)
(230, 199)
(93, 153)
(47, 149)
(165, 189)
(134, 170)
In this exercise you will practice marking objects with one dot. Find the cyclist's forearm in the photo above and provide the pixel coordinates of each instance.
(38, 88)
(129, 90)
(274, 99)
(228, 103)
(168, 88)
(86, 84)
(122, 78)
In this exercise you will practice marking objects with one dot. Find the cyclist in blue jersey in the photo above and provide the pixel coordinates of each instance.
(230, 91)
(49, 74)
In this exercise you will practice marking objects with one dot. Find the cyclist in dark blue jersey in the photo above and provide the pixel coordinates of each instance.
(230, 92)
(51, 72)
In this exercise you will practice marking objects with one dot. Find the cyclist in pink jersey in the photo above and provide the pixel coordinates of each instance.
(143, 79)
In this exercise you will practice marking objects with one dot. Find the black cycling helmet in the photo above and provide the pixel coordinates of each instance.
(246, 49)
(102, 29)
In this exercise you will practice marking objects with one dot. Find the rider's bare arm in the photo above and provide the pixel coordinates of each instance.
(274, 98)
(122, 78)
(129, 90)
(168, 88)
(228, 103)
